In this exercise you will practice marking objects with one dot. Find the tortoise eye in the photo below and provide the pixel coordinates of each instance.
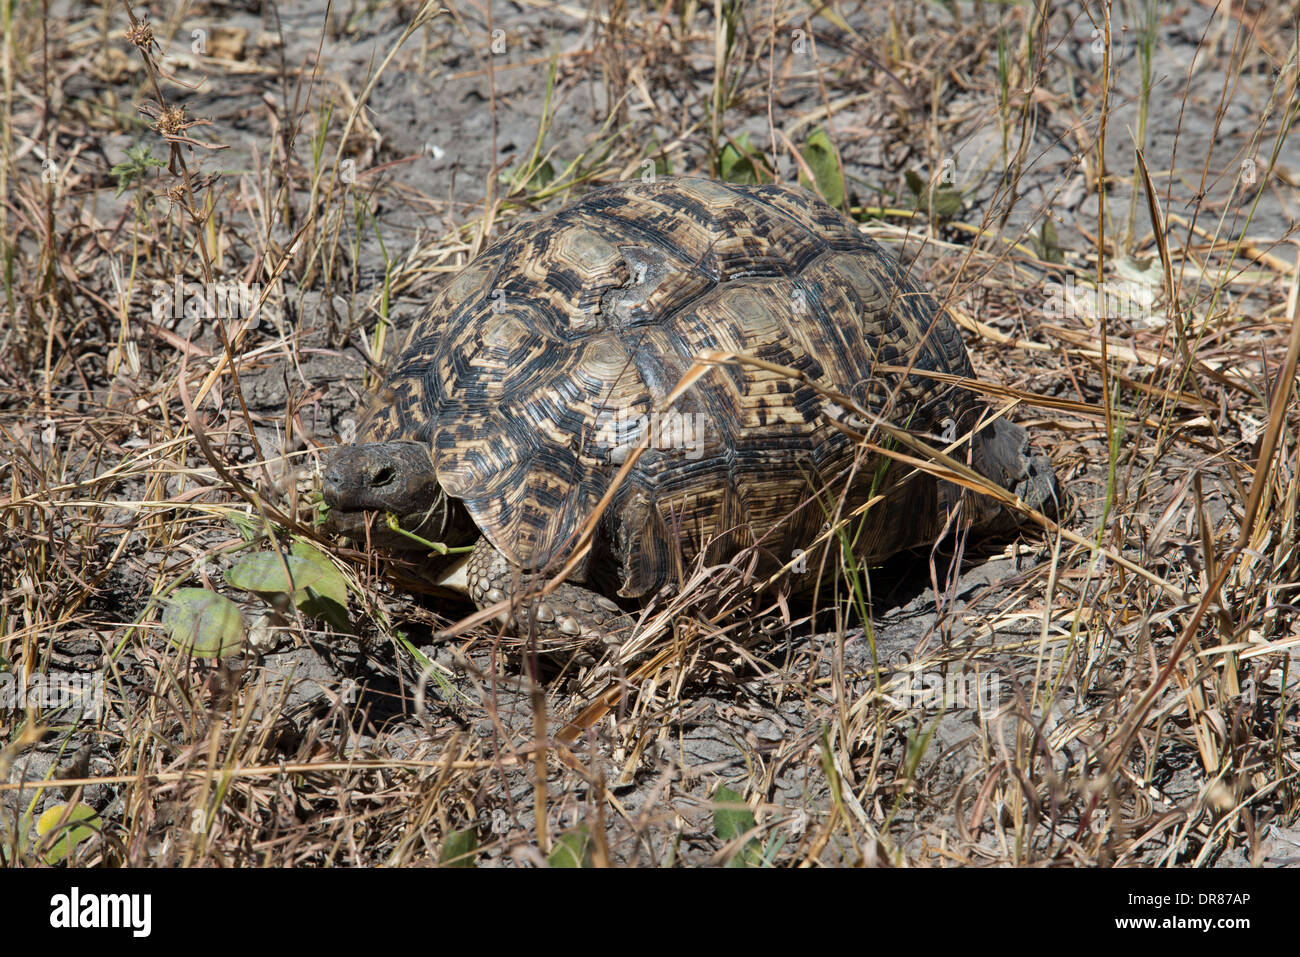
(383, 477)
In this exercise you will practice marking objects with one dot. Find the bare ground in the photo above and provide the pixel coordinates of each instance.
(1093, 716)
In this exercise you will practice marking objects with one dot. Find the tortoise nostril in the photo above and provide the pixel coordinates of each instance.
(383, 477)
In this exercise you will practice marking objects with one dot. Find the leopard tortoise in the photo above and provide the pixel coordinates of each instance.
(521, 391)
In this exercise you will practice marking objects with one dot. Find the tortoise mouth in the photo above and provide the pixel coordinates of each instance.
(363, 484)
(1002, 454)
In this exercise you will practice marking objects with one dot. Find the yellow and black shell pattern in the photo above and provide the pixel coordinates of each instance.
(548, 357)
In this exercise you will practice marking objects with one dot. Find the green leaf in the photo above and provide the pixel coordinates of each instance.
(137, 163)
(1049, 249)
(532, 180)
(70, 833)
(203, 623)
(947, 201)
(572, 849)
(731, 10)
(264, 573)
(449, 691)
(317, 587)
(819, 153)
(320, 510)
(247, 530)
(329, 598)
(459, 849)
(654, 151)
(544, 175)
(329, 582)
(14, 836)
(731, 819)
(741, 163)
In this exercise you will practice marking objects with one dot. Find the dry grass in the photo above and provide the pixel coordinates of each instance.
(1144, 648)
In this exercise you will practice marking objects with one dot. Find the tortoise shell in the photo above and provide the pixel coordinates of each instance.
(542, 363)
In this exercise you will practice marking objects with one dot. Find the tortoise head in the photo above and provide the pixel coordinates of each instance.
(362, 483)
(1002, 453)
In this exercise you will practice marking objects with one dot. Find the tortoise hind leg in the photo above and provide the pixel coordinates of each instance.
(570, 615)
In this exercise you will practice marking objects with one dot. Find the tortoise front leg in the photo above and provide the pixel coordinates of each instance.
(570, 615)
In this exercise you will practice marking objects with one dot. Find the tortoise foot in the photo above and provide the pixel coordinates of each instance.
(569, 615)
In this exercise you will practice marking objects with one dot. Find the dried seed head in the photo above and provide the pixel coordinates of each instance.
(140, 34)
(172, 121)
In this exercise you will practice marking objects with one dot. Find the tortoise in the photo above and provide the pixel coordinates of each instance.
(520, 393)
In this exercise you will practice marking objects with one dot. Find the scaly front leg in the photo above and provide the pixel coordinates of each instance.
(569, 615)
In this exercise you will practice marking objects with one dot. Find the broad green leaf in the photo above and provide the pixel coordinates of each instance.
(328, 582)
(316, 587)
(203, 623)
(264, 573)
(741, 163)
(732, 818)
(14, 836)
(572, 849)
(459, 848)
(947, 203)
(71, 833)
(819, 153)
(328, 597)
(947, 200)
